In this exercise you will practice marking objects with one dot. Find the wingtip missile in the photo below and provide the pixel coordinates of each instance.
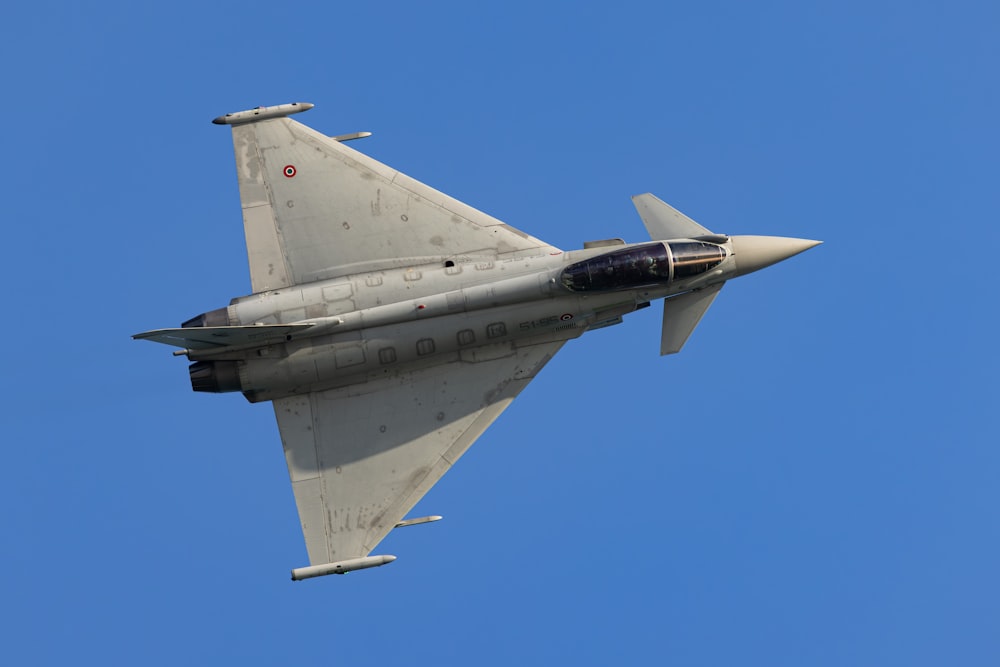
(262, 113)
(341, 567)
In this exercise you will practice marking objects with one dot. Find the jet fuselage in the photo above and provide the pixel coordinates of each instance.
(380, 322)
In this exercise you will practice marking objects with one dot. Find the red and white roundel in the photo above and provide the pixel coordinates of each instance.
(289, 170)
(566, 317)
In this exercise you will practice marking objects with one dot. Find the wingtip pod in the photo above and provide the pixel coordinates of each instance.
(262, 113)
(342, 567)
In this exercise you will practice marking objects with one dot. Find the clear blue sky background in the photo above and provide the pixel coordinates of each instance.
(813, 481)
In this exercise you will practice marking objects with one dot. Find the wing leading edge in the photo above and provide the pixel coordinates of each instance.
(360, 457)
(207, 338)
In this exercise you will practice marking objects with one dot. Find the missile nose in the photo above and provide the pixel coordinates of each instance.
(753, 253)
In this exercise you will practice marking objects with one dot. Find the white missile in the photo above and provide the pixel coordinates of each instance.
(351, 137)
(342, 567)
(262, 113)
(418, 521)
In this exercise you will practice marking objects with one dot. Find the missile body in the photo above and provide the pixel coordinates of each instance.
(342, 567)
(262, 113)
(418, 521)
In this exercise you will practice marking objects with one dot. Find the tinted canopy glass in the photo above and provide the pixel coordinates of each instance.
(694, 257)
(621, 269)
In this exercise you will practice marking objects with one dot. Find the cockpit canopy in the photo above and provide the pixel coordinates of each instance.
(692, 258)
(638, 266)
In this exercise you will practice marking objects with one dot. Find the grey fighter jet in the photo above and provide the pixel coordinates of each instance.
(390, 324)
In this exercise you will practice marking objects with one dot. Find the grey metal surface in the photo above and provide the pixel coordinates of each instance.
(360, 457)
(663, 221)
(391, 324)
(209, 338)
(298, 233)
(681, 314)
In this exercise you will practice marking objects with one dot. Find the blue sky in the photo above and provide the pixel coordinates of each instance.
(812, 481)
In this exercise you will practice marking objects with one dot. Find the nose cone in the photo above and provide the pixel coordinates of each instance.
(755, 252)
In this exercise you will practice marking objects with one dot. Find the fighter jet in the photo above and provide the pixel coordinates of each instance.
(390, 324)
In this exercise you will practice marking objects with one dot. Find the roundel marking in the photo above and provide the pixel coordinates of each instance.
(289, 170)
(566, 317)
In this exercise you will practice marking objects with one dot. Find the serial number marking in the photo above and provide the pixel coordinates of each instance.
(542, 322)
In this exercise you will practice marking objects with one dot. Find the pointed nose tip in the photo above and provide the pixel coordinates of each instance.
(753, 253)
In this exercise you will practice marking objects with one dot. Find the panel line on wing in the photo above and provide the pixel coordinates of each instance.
(316, 209)
(359, 461)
